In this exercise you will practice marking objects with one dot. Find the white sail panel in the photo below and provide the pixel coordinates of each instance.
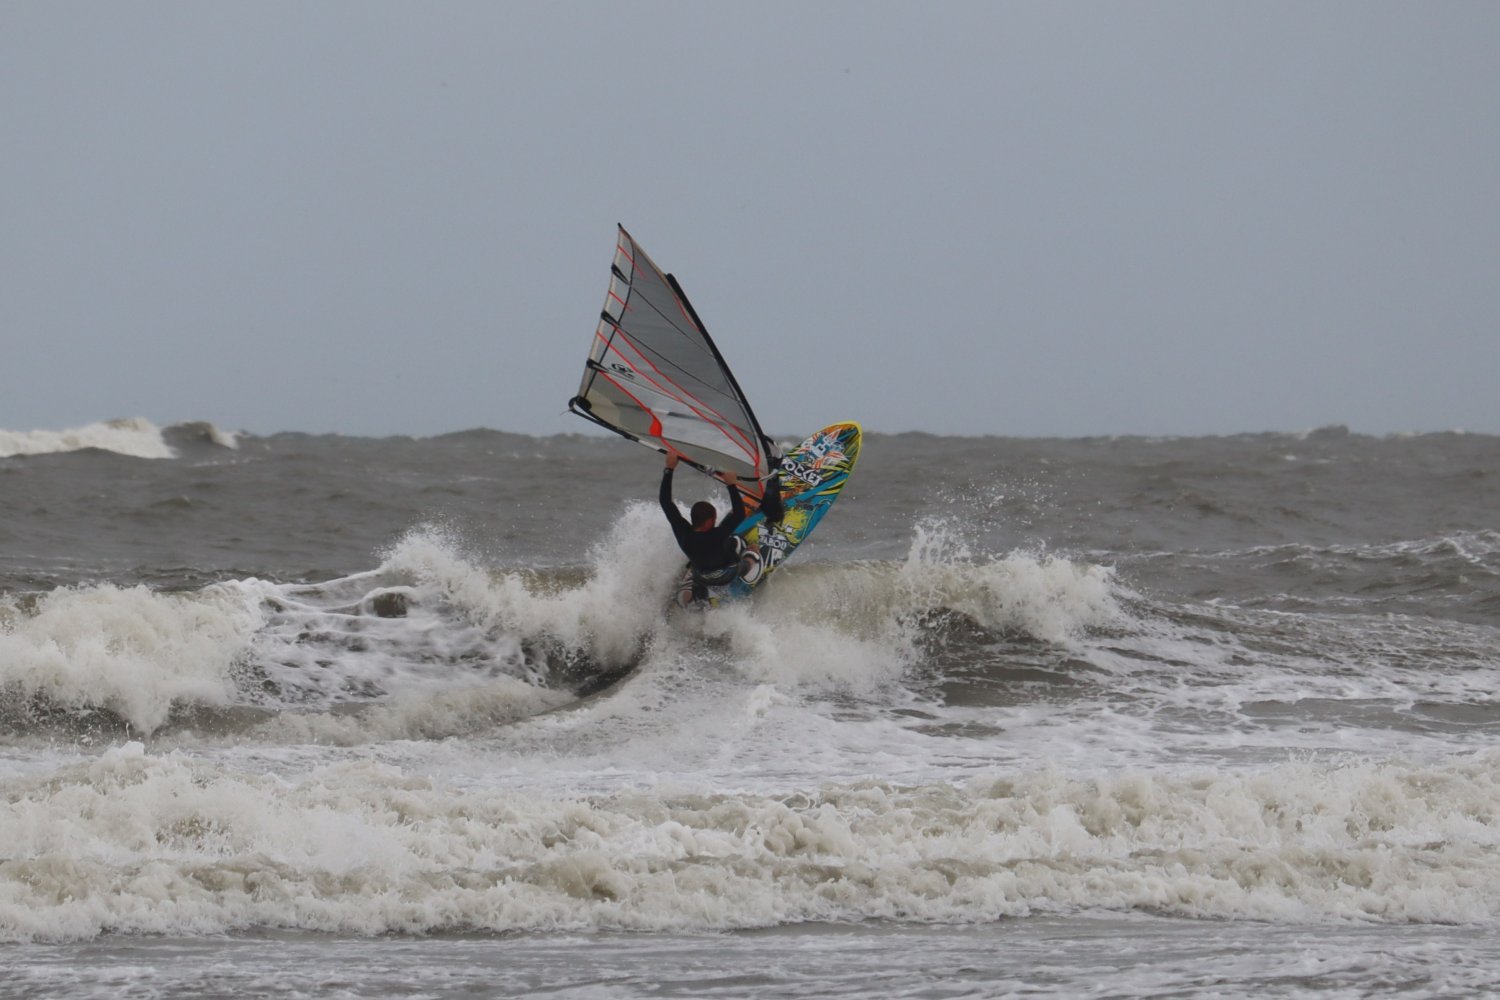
(655, 376)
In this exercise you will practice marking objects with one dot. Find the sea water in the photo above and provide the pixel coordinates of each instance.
(318, 715)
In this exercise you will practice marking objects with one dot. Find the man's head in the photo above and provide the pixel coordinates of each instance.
(703, 515)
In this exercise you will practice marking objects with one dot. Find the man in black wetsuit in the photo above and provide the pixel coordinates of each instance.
(712, 549)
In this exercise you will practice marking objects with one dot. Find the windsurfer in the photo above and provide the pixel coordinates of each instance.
(712, 548)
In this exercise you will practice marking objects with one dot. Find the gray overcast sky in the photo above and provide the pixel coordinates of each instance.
(1032, 219)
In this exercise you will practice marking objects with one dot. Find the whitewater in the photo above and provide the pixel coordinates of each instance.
(313, 714)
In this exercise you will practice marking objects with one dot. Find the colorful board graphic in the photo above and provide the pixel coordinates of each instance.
(812, 475)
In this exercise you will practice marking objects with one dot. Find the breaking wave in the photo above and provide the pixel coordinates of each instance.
(433, 626)
(168, 845)
(133, 436)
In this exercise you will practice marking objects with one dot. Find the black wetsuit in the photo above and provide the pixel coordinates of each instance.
(707, 551)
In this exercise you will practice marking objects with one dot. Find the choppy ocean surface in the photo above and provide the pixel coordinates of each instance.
(312, 715)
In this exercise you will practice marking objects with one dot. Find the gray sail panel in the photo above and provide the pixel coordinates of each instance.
(655, 376)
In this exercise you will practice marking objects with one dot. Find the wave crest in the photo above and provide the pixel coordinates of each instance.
(133, 436)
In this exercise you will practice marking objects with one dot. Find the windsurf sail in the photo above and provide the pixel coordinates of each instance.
(654, 376)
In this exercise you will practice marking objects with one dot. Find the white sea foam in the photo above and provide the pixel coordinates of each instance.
(134, 842)
(1250, 655)
(457, 710)
(134, 436)
(127, 650)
